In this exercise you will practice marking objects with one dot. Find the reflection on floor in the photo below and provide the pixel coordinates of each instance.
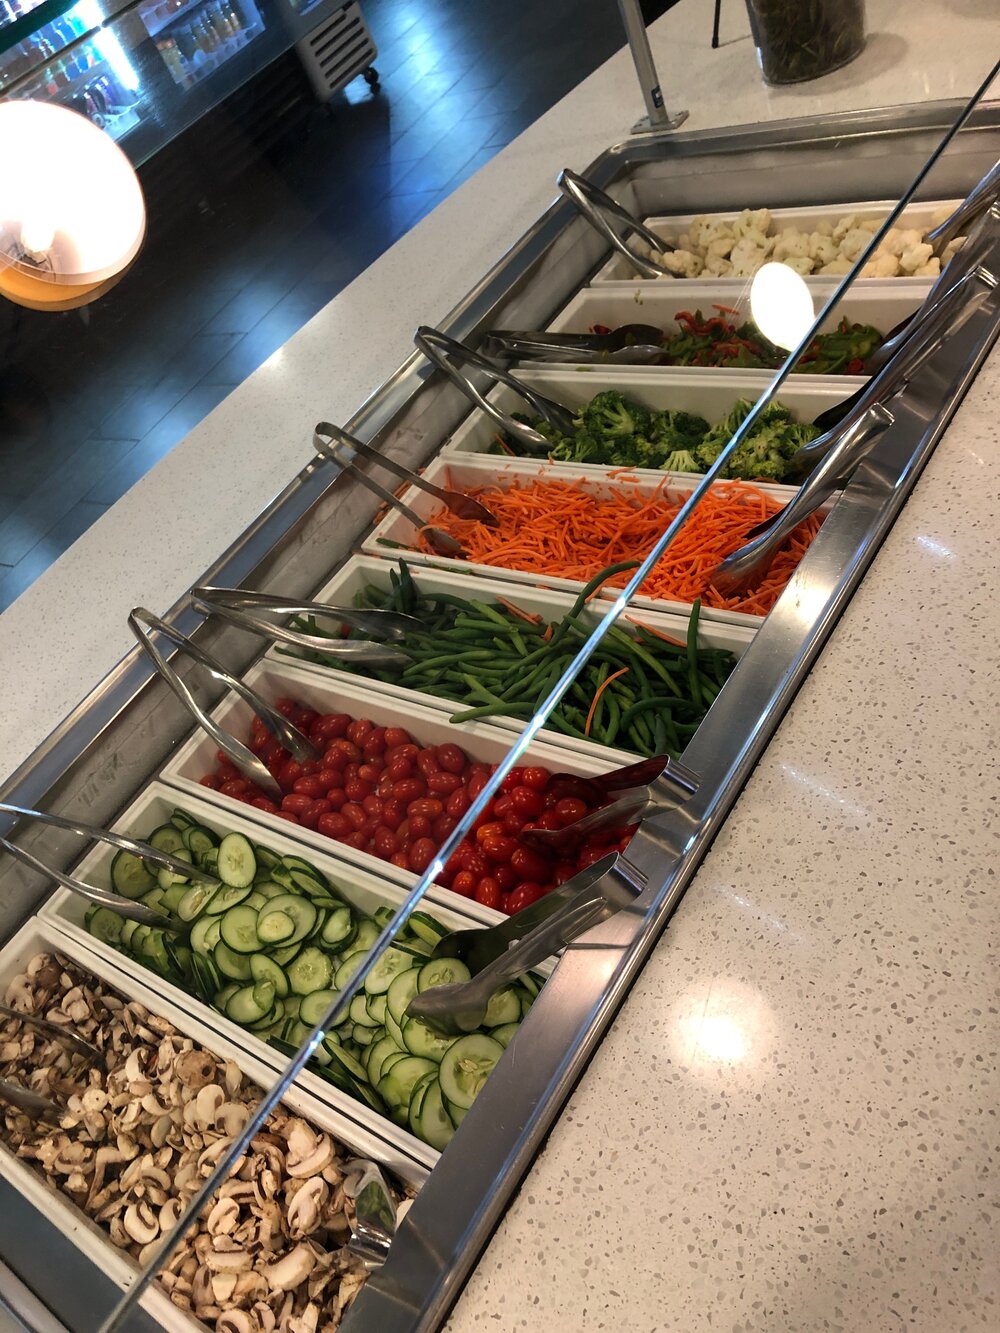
(87, 409)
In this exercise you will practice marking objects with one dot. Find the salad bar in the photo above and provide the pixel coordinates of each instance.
(258, 875)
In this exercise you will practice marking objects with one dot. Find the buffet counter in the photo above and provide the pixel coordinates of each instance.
(789, 1124)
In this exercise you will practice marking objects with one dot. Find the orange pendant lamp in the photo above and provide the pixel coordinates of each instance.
(72, 215)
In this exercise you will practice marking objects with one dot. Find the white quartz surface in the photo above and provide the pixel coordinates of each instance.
(155, 542)
(793, 1124)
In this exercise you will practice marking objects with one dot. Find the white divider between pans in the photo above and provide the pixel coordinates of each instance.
(468, 471)
(658, 303)
(362, 570)
(38, 936)
(923, 216)
(331, 693)
(712, 397)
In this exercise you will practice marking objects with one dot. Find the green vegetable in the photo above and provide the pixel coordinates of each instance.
(496, 663)
(802, 39)
(673, 441)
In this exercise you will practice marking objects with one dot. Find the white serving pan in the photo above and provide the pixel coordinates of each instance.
(336, 693)
(64, 912)
(469, 471)
(657, 303)
(362, 570)
(923, 216)
(710, 396)
(37, 936)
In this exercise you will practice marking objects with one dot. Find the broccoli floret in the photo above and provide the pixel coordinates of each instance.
(710, 448)
(579, 448)
(610, 415)
(538, 424)
(681, 460)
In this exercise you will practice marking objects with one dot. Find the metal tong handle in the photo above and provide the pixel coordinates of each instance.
(976, 202)
(328, 448)
(126, 907)
(841, 449)
(31, 1103)
(374, 1212)
(243, 758)
(386, 624)
(55, 1031)
(140, 849)
(364, 649)
(340, 436)
(598, 207)
(442, 350)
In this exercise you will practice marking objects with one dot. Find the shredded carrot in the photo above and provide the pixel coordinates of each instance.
(520, 612)
(657, 633)
(597, 697)
(548, 634)
(499, 439)
(564, 530)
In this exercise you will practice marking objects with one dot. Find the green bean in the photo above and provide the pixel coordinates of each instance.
(491, 710)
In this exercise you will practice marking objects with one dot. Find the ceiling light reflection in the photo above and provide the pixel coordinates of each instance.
(781, 305)
(721, 1021)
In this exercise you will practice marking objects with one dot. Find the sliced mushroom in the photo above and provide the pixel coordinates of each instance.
(223, 1217)
(195, 1069)
(207, 1104)
(290, 1271)
(141, 1223)
(306, 1208)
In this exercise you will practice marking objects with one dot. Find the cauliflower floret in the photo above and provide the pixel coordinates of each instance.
(683, 241)
(952, 247)
(825, 228)
(752, 221)
(882, 266)
(800, 263)
(916, 257)
(718, 267)
(717, 230)
(682, 263)
(746, 259)
(694, 233)
(821, 248)
(929, 270)
(892, 243)
(836, 267)
(843, 226)
(721, 246)
(791, 244)
(853, 242)
(911, 236)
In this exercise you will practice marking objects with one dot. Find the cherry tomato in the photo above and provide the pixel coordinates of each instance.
(372, 806)
(476, 864)
(536, 778)
(295, 804)
(306, 719)
(370, 772)
(235, 787)
(359, 729)
(421, 854)
(356, 839)
(427, 764)
(396, 736)
(506, 877)
(451, 758)
(425, 805)
(548, 820)
(266, 804)
(513, 822)
(524, 895)
(374, 743)
(330, 727)
(564, 870)
(410, 789)
(400, 859)
(487, 892)
(287, 815)
(419, 826)
(384, 842)
(312, 785)
(393, 813)
(286, 706)
(527, 802)
(330, 777)
(530, 865)
(464, 883)
(337, 798)
(458, 803)
(211, 781)
(498, 850)
(570, 809)
(334, 761)
(443, 784)
(354, 814)
(444, 827)
(475, 785)
(357, 789)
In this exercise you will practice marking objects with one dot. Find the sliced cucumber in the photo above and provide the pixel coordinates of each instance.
(311, 971)
(226, 897)
(397, 1085)
(364, 1036)
(417, 1095)
(205, 934)
(129, 875)
(432, 1123)
(424, 1041)
(426, 928)
(348, 1062)
(465, 1067)
(266, 969)
(195, 900)
(442, 972)
(392, 962)
(532, 983)
(106, 926)
(181, 819)
(231, 964)
(285, 954)
(347, 969)
(301, 911)
(198, 840)
(309, 884)
(504, 1007)
(223, 996)
(268, 889)
(359, 1012)
(170, 899)
(239, 929)
(273, 927)
(457, 1113)
(382, 916)
(376, 1005)
(165, 877)
(505, 1033)
(400, 993)
(265, 857)
(377, 1054)
(167, 838)
(250, 1003)
(367, 934)
(237, 863)
(338, 928)
(128, 927)
(313, 1006)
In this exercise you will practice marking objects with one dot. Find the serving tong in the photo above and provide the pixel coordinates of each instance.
(444, 352)
(649, 787)
(327, 437)
(374, 1212)
(249, 764)
(127, 907)
(235, 605)
(835, 454)
(523, 941)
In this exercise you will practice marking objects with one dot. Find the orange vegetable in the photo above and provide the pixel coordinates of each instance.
(597, 696)
(560, 529)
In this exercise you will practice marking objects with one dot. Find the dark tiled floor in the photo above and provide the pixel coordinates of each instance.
(114, 387)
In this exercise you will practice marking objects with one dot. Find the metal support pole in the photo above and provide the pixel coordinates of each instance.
(635, 30)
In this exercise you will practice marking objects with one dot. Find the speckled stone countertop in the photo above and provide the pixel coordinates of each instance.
(793, 1124)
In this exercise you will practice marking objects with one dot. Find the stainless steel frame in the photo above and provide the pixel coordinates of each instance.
(93, 764)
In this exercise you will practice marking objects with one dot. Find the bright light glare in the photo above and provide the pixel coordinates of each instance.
(718, 1037)
(68, 193)
(781, 304)
(721, 1021)
(107, 43)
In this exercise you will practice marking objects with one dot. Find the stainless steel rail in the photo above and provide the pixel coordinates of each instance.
(93, 764)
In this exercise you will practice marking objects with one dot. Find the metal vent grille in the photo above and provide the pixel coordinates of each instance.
(337, 50)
